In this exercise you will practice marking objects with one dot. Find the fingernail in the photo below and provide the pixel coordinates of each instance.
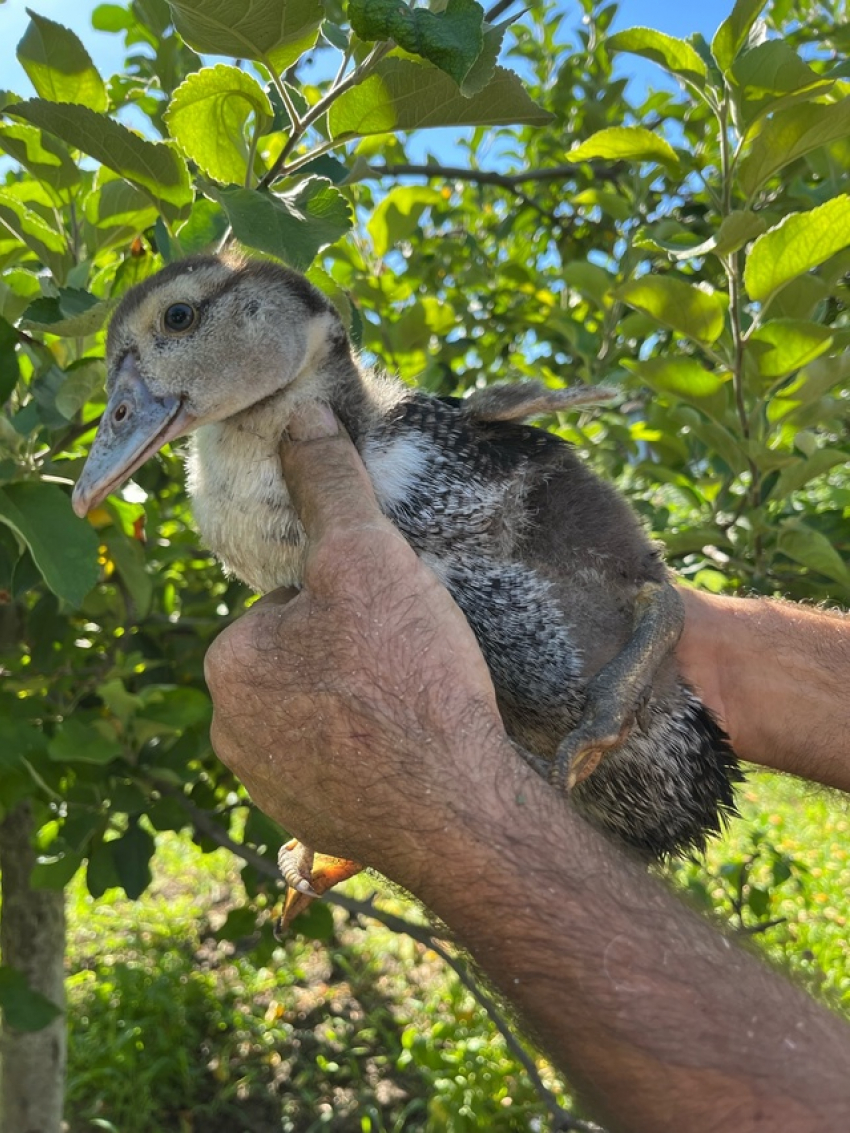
(312, 421)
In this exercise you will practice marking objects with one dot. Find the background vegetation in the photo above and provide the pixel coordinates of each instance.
(691, 249)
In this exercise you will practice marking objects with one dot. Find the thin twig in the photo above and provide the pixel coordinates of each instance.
(498, 9)
(278, 168)
(601, 172)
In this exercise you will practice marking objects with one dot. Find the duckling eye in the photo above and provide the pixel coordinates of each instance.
(179, 317)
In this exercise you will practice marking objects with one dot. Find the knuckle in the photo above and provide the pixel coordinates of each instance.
(227, 663)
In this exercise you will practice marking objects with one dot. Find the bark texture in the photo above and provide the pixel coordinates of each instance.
(32, 939)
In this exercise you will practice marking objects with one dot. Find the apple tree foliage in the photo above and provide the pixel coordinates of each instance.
(689, 246)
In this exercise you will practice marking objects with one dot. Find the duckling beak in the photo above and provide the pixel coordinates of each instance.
(134, 426)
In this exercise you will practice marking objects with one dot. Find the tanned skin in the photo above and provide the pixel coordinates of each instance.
(361, 716)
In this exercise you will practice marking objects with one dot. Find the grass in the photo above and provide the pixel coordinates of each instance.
(175, 1029)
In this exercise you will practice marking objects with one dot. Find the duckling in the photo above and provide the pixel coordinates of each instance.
(570, 601)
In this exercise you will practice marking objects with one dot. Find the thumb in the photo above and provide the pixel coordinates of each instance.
(326, 478)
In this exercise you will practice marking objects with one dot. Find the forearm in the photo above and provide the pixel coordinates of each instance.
(658, 1021)
(777, 675)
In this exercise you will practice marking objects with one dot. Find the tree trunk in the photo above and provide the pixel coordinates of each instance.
(32, 940)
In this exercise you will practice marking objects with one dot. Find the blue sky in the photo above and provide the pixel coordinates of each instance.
(680, 19)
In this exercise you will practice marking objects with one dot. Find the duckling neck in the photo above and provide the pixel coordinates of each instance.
(239, 498)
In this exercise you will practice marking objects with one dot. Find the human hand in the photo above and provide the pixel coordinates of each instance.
(360, 714)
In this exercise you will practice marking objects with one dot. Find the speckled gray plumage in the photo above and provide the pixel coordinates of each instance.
(544, 558)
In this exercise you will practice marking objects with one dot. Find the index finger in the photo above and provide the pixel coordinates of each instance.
(326, 478)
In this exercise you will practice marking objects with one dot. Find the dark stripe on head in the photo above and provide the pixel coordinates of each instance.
(259, 270)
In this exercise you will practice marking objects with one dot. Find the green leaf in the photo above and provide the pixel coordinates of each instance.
(737, 228)
(733, 32)
(57, 874)
(9, 368)
(784, 345)
(72, 313)
(17, 290)
(675, 55)
(28, 227)
(684, 377)
(83, 378)
(58, 65)
(791, 134)
(205, 227)
(207, 117)
(111, 17)
(810, 385)
(175, 709)
(402, 95)
(23, 1008)
(452, 39)
(101, 873)
(770, 70)
(118, 205)
(696, 312)
(78, 741)
(64, 549)
(590, 280)
(482, 70)
(625, 143)
(274, 32)
(239, 923)
(293, 226)
(797, 475)
(132, 853)
(45, 157)
(155, 167)
(813, 550)
(797, 244)
(396, 217)
(129, 559)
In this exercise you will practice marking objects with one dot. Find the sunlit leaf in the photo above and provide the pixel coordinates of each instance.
(732, 34)
(697, 312)
(770, 70)
(784, 345)
(684, 377)
(44, 156)
(156, 167)
(403, 95)
(797, 244)
(625, 143)
(591, 280)
(58, 65)
(676, 55)
(276, 32)
(788, 135)
(397, 216)
(28, 227)
(207, 117)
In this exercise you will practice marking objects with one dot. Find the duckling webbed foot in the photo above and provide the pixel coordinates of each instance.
(619, 694)
(308, 875)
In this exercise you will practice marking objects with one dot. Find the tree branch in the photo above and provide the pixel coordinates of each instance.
(498, 9)
(562, 1120)
(601, 172)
